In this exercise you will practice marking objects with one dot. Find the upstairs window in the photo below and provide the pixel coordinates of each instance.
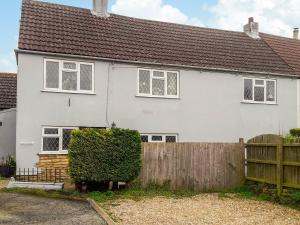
(158, 83)
(56, 139)
(260, 90)
(159, 138)
(69, 76)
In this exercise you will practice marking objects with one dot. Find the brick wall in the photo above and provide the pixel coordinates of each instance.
(52, 161)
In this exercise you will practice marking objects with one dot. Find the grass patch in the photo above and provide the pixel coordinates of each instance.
(265, 192)
(243, 192)
(47, 194)
(137, 193)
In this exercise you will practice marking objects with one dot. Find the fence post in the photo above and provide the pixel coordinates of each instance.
(241, 141)
(244, 146)
(279, 174)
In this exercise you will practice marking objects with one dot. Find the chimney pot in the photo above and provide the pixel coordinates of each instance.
(100, 8)
(296, 33)
(251, 28)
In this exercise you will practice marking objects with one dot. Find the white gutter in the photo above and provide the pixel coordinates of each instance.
(152, 63)
(8, 110)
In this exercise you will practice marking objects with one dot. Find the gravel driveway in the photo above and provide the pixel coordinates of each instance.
(20, 209)
(202, 209)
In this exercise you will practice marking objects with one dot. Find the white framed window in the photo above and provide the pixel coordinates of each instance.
(68, 76)
(159, 138)
(56, 139)
(257, 90)
(158, 83)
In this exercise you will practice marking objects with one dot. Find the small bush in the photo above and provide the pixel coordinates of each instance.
(104, 155)
(295, 132)
(8, 161)
(7, 166)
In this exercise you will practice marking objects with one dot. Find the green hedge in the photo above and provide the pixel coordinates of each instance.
(295, 132)
(105, 155)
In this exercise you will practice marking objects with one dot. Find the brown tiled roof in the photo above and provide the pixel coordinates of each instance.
(62, 29)
(287, 48)
(8, 90)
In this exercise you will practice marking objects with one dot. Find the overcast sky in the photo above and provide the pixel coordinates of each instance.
(274, 16)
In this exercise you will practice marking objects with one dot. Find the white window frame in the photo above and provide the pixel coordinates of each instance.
(165, 78)
(265, 90)
(163, 137)
(59, 135)
(61, 69)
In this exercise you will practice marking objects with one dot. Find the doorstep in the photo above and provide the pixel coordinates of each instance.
(36, 185)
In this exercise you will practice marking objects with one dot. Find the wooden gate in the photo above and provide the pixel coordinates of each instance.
(270, 160)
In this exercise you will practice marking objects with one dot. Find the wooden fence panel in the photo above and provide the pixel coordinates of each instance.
(195, 166)
(270, 160)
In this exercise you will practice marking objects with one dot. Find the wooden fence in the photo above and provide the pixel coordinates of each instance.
(195, 166)
(270, 160)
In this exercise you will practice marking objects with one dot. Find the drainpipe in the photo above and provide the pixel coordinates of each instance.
(298, 103)
(107, 95)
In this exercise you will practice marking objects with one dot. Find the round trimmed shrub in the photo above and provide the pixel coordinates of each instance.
(97, 155)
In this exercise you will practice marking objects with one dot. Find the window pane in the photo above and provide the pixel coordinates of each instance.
(144, 82)
(144, 138)
(172, 84)
(66, 138)
(50, 144)
(86, 76)
(248, 83)
(50, 131)
(52, 74)
(156, 138)
(170, 139)
(259, 94)
(259, 82)
(69, 81)
(158, 74)
(271, 91)
(158, 87)
(69, 65)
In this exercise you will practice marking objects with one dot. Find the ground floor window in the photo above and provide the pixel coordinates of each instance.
(56, 139)
(159, 138)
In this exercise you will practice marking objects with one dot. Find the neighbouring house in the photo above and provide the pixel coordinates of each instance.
(173, 83)
(8, 93)
(289, 50)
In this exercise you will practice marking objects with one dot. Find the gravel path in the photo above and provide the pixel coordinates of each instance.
(17, 209)
(202, 209)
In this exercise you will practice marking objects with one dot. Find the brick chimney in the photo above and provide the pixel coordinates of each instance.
(296, 33)
(251, 28)
(100, 8)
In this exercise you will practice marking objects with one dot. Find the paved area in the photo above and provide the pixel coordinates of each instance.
(17, 209)
(203, 209)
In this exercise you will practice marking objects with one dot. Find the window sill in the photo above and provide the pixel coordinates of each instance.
(69, 92)
(259, 103)
(53, 153)
(161, 97)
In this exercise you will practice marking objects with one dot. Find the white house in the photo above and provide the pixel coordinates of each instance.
(8, 92)
(89, 68)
